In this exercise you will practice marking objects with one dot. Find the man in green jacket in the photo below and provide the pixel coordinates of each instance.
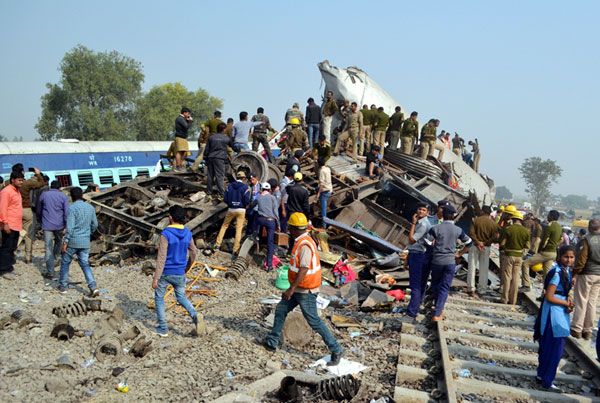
(410, 132)
(381, 122)
(428, 138)
(515, 240)
(367, 127)
(395, 127)
(547, 252)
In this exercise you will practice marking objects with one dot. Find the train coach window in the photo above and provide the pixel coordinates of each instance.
(143, 172)
(106, 177)
(85, 178)
(125, 175)
(64, 180)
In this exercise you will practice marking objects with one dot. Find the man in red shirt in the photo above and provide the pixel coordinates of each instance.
(11, 223)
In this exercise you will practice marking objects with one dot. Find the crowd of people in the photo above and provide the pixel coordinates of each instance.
(526, 246)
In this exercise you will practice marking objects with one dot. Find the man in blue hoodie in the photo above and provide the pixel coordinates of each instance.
(237, 197)
(171, 265)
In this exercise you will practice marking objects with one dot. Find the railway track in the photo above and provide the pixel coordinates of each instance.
(483, 351)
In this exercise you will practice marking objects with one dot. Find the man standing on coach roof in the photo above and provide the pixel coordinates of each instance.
(484, 232)
(313, 121)
(305, 279)
(53, 210)
(81, 224)
(11, 223)
(396, 121)
(216, 158)
(329, 109)
(182, 125)
(410, 132)
(259, 133)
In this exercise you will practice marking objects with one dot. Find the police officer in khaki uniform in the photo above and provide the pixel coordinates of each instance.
(207, 128)
(381, 123)
(329, 109)
(367, 122)
(428, 138)
(410, 132)
(354, 125)
(259, 133)
(297, 139)
(395, 126)
(457, 144)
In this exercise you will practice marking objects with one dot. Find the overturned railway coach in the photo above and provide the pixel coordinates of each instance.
(79, 163)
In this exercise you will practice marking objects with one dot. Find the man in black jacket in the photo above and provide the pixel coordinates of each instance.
(216, 158)
(313, 121)
(297, 201)
(182, 125)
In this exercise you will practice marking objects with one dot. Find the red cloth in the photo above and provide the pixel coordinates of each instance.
(398, 294)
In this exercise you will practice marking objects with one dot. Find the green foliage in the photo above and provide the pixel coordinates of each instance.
(95, 98)
(157, 109)
(20, 138)
(3, 138)
(539, 174)
(576, 201)
(502, 193)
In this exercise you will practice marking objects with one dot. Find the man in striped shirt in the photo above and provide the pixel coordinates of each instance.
(81, 224)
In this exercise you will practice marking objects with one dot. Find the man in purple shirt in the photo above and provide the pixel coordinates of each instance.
(52, 210)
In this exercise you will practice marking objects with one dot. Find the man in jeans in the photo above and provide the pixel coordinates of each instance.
(11, 223)
(172, 262)
(313, 121)
(52, 210)
(29, 221)
(237, 197)
(305, 279)
(484, 232)
(417, 258)
(81, 224)
(325, 187)
(587, 282)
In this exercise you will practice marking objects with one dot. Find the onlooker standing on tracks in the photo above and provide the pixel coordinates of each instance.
(515, 241)
(554, 317)
(52, 210)
(237, 198)
(586, 276)
(325, 187)
(443, 263)
(11, 223)
(216, 160)
(172, 262)
(268, 218)
(484, 232)
(305, 280)
(417, 255)
(29, 217)
(81, 224)
(313, 121)
(550, 239)
(182, 124)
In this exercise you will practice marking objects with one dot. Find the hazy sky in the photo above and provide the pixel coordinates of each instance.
(521, 76)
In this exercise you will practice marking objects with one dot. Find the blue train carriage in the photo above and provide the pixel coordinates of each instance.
(79, 163)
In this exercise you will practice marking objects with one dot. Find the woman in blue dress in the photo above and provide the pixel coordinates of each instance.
(555, 319)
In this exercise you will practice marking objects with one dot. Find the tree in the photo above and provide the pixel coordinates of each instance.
(16, 139)
(576, 201)
(4, 138)
(539, 175)
(157, 109)
(502, 193)
(95, 98)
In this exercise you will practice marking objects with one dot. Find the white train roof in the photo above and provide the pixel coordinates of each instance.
(75, 146)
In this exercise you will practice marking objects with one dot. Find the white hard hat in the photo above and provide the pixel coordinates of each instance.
(266, 186)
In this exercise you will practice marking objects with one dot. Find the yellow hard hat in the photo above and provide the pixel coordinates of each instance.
(501, 208)
(295, 121)
(518, 215)
(298, 220)
(510, 209)
(537, 267)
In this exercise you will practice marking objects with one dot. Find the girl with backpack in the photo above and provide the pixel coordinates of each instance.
(553, 322)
